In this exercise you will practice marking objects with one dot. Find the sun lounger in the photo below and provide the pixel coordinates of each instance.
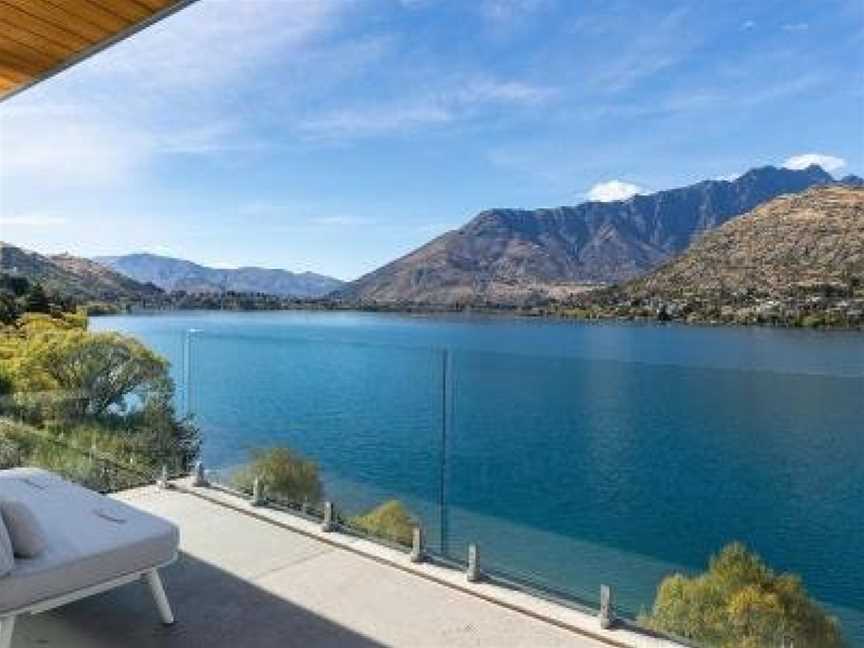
(94, 544)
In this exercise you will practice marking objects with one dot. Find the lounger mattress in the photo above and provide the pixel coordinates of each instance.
(92, 539)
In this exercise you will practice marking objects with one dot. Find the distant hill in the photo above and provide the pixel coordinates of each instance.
(516, 256)
(812, 238)
(172, 274)
(75, 278)
(795, 256)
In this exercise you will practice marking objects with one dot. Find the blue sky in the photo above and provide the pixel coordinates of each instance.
(334, 136)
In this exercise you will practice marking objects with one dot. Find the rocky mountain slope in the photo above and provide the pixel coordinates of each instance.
(512, 256)
(179, 275)
(75, 278)
(794, 256)
(812, 238)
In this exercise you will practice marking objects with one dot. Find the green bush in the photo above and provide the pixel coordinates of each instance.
(741, 603)
(283, 474)
(390, 521)
(102, 391)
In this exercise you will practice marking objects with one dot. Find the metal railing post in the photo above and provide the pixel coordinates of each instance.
(258, 498)
(162, 482)
(417, 545)
(199, 475)
(607, 607)
(473, 573)
(328, 523)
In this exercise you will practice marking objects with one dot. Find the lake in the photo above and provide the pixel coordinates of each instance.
(573, 454)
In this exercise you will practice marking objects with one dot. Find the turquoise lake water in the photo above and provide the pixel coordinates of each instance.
(574, 454)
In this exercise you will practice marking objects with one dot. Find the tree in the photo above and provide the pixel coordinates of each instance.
(283, 473)
(36, 301)
(8, 308)
(741, 603)
(95, 371)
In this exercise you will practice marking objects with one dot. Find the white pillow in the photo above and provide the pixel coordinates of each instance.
(28, 538)
(7, 558)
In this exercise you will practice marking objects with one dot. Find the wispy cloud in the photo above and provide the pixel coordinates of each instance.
(647, 51)
(69, 144)
(830, 163)
(83, 134)
(455, 101)
(179, 52)
(32, 220)
(481, 91)
(341, 221)
(796, 27)
(509, 10)
(365, 122)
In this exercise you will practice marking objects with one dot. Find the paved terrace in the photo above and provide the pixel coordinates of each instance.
(272, 579)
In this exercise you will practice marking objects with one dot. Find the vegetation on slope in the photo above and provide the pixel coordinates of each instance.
(80, 403)
(71, 281)
(741, 603)
(798, 260)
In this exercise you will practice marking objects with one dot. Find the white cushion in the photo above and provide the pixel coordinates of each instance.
(28, 537)
(7, 559)
(92, 539)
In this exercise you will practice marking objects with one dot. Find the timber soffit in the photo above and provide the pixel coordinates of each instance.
(40, 38)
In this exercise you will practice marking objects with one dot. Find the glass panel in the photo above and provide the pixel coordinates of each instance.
(369, 417)
(572, 473)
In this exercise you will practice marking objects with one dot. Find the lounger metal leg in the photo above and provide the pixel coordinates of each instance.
(159, 596)
(7, 626)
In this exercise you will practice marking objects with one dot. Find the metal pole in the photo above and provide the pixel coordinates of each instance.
(446, 399)
(188, 377)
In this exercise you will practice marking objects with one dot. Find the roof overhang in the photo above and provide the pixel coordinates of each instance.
(39, 38)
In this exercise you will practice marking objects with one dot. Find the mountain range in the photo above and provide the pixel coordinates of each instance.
(75, 278)
(173, 275)
(796, 255)
(516, 256)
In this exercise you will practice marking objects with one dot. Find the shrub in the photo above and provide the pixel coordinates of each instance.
(283, 473)
(390, 520)
(741, 603)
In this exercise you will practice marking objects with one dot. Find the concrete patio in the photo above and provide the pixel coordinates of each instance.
(272, 579)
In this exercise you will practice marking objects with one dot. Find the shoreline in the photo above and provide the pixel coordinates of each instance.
(502, 312)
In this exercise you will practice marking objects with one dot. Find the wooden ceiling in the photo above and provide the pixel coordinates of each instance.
(39, 38)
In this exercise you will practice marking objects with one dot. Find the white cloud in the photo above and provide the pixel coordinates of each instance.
(31, 220)
(729, 177)
(748, 24)
(796, 27)
(828, 162)
(613, 190)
